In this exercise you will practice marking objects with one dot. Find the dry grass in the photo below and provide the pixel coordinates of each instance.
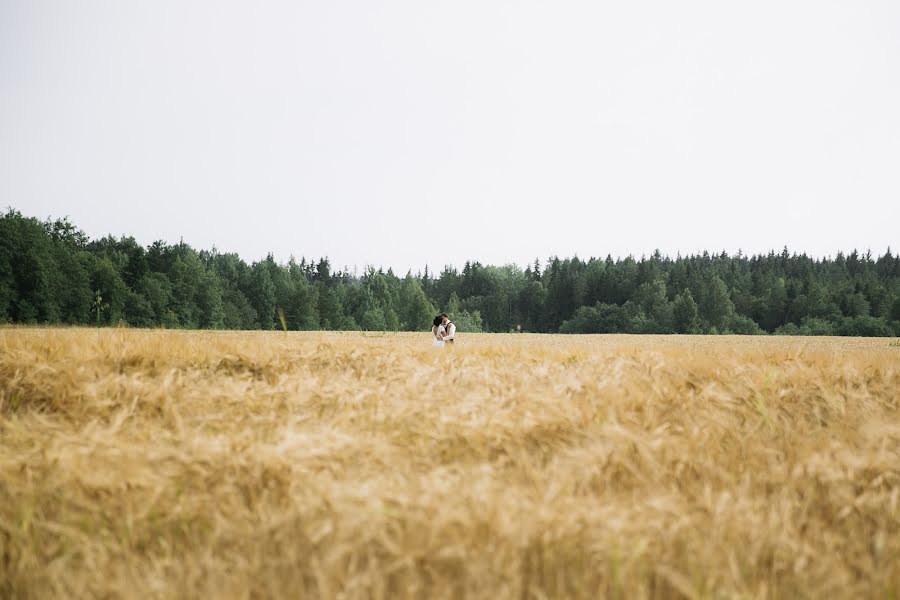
(140, 464)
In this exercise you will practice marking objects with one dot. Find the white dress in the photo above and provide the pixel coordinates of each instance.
(437, 332)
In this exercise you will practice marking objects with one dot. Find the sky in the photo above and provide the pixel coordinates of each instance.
(405, 134)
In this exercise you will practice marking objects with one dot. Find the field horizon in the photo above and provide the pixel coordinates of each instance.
(162, 463)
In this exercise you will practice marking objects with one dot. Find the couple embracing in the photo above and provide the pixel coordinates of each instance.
(443, 331)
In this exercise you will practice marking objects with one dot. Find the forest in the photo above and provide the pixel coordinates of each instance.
(52, 273)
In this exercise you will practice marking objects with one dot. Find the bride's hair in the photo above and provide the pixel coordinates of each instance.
(438, 321)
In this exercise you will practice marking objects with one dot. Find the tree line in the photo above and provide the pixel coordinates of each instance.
(51, 272)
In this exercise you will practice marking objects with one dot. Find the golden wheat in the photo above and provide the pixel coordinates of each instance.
(144, 464)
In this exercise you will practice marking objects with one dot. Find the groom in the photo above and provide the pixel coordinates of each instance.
(449, 327)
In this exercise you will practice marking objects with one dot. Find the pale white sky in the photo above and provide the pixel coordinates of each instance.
(411, 133)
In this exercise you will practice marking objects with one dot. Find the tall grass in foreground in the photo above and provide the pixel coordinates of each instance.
(150, 464)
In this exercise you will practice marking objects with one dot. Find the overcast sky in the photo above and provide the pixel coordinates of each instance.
(411, 133)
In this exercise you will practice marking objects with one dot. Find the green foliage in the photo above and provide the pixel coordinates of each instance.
(138, 311)
(601, 318)
(809, 326)
(653, 301)
(715, 304)
(98, 305)
(864, 325)
(262, 295)
(348, 323)
(378, 310)
(298, 297)
(50, 272)
(416, 312)
(684, 313)
(108, 283)
(238, 313)
(815, 326)
(467, 322)
(373, 319)
(27, 264)
(331, 306)
(741, 325)
(156, 290)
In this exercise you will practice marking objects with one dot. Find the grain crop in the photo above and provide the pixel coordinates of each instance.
(167, 464)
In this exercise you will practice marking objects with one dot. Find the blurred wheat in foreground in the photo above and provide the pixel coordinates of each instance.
(153, 464)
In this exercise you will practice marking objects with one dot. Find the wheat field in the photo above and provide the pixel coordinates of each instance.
(161, 464)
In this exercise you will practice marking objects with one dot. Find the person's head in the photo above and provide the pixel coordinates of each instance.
(438, 320)
(444, 317)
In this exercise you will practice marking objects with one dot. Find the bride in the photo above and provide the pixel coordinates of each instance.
(438, 332)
